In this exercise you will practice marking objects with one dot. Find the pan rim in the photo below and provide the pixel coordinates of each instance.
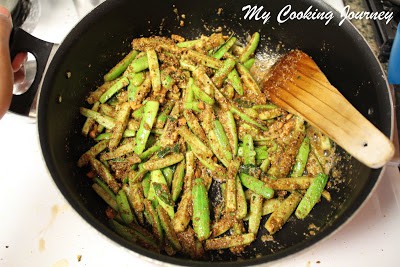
(167, 260)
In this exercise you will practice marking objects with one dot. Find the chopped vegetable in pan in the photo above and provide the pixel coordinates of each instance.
(173, 120)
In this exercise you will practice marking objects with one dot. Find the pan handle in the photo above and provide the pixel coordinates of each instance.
(21, 41)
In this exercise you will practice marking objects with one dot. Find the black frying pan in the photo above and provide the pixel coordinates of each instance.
(96, 44)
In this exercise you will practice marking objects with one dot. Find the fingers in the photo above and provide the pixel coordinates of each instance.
(19, 60)
(6, 72)
(19, 76)
(5, 25)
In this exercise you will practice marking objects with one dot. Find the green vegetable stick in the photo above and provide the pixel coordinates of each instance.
(195, 143)
(249, 155)
(168, 173)
(222, 225)
(222, 140)
(168, 228)
(256, 185)
(106, 109)
(250, 47)
(201, 210)
(206, 84)
(105, 187)
(271, 205)
(194, 125)
(105, 174)
(224, 48)
(137, 65)
(301, 158)
(222, 73)
(241, 203)
(146, 184)
(162, 118)
(261, 152)
(136, 198)
(166, 80)
(201, 95)
(135, 80)
(104, 120)
(121, 121)
(229, 241)
(182, 215)
(235, 81)
(279, 217)
(107, 136)
(219, 172)
(152, 215)
(105, 196)
(149, 152)
(139, 94)
(289, 184)
(249, 63)
(134, 236)
(229, 124)
(91, 153)
(248, 81)
(189, 171)
(164, 198)
(149, 116)
(312, 196)
(120, 151)
(177, 180)
(230, 203)
(168, 150)
(205, 60)
(137, 176)
(186, 64)
(154, 69)
(216, 147)
(188, 44)
(188, 95)
(265, 165)
(156, 176)
(90, 121)
(121, 83)
(256, 202)
(118, 69)
(192, 106)
(247, 118)
(159, 163)
(123, 207)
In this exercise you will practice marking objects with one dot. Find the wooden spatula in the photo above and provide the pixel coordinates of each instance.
(298, 85)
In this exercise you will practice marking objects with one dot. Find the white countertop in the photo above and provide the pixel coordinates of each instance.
(39, 228)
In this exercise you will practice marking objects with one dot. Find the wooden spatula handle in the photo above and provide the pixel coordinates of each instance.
(299, 86)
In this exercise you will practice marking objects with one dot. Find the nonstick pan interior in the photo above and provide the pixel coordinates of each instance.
(99, 41)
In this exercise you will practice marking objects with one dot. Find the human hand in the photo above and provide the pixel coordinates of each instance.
(10, 72)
